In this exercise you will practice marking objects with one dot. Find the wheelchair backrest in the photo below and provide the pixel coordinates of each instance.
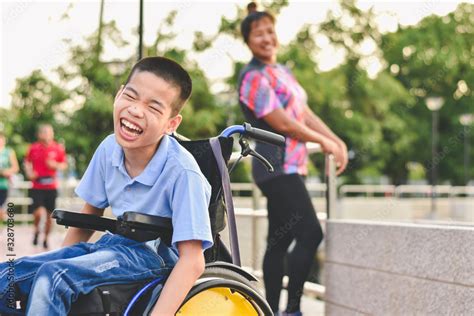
(202, 152)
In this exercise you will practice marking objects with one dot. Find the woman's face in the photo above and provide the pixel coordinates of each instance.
(263, 42)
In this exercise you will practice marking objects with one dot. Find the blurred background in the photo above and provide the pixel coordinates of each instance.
(370, 69)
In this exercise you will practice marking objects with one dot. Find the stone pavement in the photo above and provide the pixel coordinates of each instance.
(309, 306)
(23, 237)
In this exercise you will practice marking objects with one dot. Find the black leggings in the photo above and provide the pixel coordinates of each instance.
(291, 216)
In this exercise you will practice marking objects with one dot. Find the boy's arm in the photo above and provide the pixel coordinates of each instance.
(74, 234)
(187, 270)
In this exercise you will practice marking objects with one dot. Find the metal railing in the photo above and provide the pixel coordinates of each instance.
(406, 190)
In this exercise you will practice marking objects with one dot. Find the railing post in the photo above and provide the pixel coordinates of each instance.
(255, 206)
(331, 191)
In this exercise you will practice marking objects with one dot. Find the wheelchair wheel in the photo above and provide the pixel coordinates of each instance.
(218, 272)
(224, 292)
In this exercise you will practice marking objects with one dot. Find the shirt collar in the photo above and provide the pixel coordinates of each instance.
(257, 62)
(154, 167)
(117, 155)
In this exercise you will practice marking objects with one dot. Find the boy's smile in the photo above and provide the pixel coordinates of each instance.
(142, 112)
(129, 129)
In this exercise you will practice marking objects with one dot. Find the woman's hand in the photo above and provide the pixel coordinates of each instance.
(339, 150)
(345, 157)
(329, 146)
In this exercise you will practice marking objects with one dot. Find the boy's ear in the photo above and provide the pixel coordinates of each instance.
(173, 123)
(119, 92)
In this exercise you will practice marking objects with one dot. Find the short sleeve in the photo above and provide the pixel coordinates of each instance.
(91, 188)
(258, 95)
(61, 154)
(189, 204)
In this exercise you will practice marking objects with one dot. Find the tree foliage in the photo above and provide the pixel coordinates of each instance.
(382, 118)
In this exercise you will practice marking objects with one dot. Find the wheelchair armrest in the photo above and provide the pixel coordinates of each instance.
(147, 222)
(144, 227)
(87, 221)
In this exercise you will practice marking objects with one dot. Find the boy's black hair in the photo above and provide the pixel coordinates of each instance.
(171, 72)
(253, 16)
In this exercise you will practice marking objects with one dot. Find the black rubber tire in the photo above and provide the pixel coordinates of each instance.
(218, 272)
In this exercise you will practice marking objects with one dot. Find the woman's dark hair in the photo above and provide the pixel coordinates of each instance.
(253, 16)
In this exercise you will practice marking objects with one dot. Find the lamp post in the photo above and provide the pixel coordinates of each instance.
(140, 31)
(466, 120)
(434, 104)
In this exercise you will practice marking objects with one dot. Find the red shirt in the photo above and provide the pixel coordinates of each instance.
(37, 154)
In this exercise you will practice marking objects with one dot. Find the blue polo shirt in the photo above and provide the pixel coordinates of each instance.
(171, 185)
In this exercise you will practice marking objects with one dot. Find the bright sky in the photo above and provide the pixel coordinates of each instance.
(32, 30)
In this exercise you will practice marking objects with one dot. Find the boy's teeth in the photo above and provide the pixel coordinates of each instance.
(131, 126)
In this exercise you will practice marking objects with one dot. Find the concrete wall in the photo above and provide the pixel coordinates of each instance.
(392, 208)
(387, 208)
(399, 269)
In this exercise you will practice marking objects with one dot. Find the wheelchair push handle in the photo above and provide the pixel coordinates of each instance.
(255, 133)
(264, 136)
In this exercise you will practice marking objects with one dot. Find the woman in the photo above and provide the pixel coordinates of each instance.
(8, 167)
(272, 99)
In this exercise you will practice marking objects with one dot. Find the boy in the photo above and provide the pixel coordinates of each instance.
(142, 169)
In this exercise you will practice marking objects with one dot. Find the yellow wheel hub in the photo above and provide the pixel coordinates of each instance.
(218, 301)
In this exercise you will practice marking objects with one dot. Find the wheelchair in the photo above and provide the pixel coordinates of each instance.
(224, 288)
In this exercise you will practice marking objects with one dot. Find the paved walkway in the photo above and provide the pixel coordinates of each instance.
(309, 306)
(23, 237)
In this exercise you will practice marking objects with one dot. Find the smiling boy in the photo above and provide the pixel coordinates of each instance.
(139, 168)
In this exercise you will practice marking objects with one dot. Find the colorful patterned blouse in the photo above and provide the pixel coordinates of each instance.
(262, 89)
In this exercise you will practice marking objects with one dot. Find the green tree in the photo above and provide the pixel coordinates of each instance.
(434, 57)
(89, 84)
(358, 108)
(35, 100)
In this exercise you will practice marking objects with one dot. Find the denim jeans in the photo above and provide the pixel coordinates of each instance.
(54, 280)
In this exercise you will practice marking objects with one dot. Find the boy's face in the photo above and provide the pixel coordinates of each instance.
(142, 111)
